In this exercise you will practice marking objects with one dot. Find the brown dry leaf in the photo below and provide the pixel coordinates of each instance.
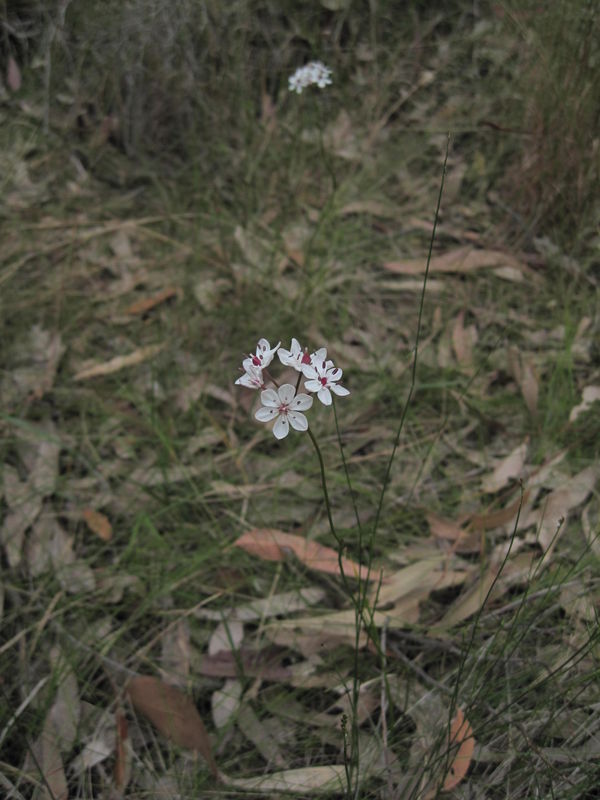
(506, 470)
(227, 636)
(176, 655)
(264, 607)
(225, 702)
(427, 709)
(100, 744)
(373, 207)
(15, 524)
(309, 644)
(563, 500)
(13, 75)
(119, 362)
(461, 260)
(37, 553)
(123, 752)
(65, 712)
(591, 394)
(25, 499)
(39, 359)
(274, 545)
(98, 523)
(173, 713)
(495, 519)
(303, 781)
(417, 580)
(254, 664)
(148, 303)
(578, 603)
(461, 734)
(463, 340)
(45, 757)
(530, 388)
(469, 602)
(74, 575)
(257, 732)
(341, 625)
(523, 373)
(464, 541)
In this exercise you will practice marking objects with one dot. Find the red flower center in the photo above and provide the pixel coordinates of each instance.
(323, 381)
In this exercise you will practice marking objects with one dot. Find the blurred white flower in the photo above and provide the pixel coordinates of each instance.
(252, 377)
(264, 355)
(323, 377)
(285, 405)
(295, 357)
(314, 73)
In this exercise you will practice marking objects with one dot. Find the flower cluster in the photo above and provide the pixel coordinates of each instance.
(314, 73)
(283, 404)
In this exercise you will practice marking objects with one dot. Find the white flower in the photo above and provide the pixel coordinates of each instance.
(286, 405)
(252, 378)
(313, 73)
(264, 355)
(323, 377)
(296, 357)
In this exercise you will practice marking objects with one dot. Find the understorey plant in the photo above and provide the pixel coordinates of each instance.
(285, 405)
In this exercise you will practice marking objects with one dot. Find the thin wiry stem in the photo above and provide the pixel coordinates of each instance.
(417, 341)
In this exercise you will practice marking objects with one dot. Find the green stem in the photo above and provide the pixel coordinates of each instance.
(417, 342)
(334, 533)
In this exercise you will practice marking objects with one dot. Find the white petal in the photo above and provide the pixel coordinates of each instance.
(301, 402)
(313, 386)
(324, 396)
(339, 390)
(309, 371)
(334, 373)
(248, 381)
(298, 421)
(319, 356)
(262, 346)
(286, 393)
(296, 347)
(281, 427)
(270, 398)
(266, 414)
(289, 359)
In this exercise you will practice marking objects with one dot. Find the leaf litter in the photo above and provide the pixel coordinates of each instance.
(475, 528)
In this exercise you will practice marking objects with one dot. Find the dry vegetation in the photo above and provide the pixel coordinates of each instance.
(173, 622)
